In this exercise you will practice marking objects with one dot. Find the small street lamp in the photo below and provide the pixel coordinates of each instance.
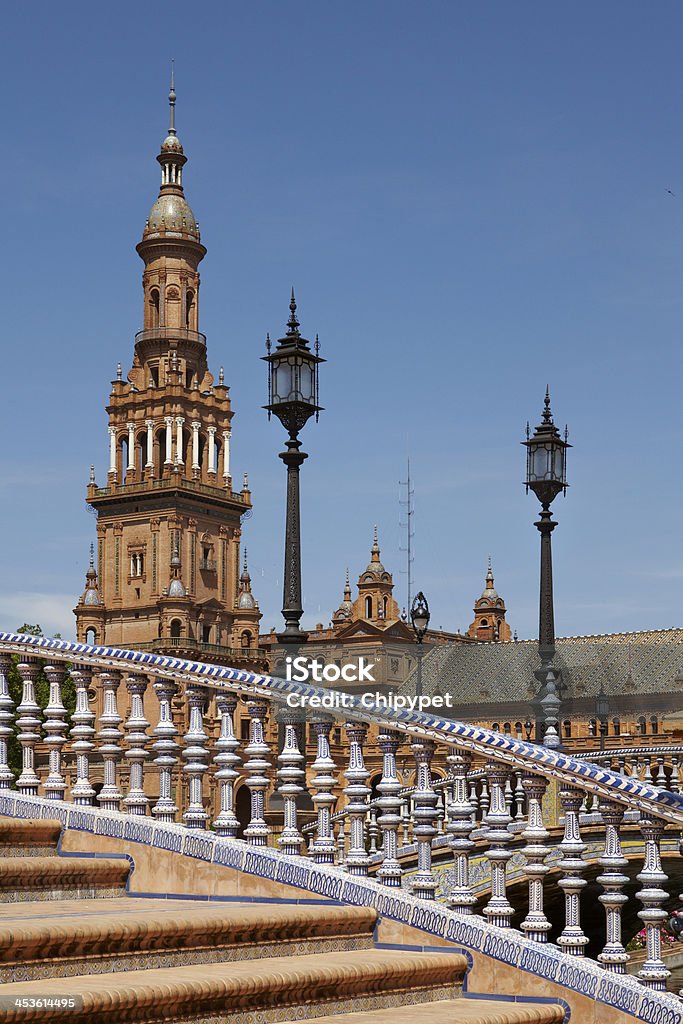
(602, 712)
(546, 476)
(293, 398)
(419, 616)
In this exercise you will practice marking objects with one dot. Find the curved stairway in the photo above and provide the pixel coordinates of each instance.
(95, 954)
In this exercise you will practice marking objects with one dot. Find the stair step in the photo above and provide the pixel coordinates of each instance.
(48, 878)
(32, 837)
(460, 1011)
(281, 988)
(90, 937)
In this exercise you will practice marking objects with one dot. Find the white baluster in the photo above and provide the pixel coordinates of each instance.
(498, 909)
(405, 820)
(6, 719)
(257, 766)
(423, 882)
(613, 957)
(389, 804)
(55, 729)
(341, 841)
(535, 925)
(460, 825)
(653, 895)
(323, 846)
(357, 794)
(290, 776)
(520, 798)
(81, 735)
(227, 759)
(136, 739)
(673, 782)
(109, 737)
(196, 755)
(166, 749)
(572, 940)
(28, 723)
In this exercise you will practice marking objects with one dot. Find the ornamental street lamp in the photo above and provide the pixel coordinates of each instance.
(602, 712)
(546, 475)
(419, 616)
(293, 398)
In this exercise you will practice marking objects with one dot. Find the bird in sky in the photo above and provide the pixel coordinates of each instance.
(671, 193)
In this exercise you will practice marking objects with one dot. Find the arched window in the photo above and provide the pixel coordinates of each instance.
(567, 728)
(176, 627)
(506, 728)
(484, 622)
(616, 726)
(641, 726)
(154, 307)
(189, 311)
(91, 636)
(368, 607)
(245, 639)
(518, 731)
(384, 607)
(654, 725)
(495, 727)
(592, 727)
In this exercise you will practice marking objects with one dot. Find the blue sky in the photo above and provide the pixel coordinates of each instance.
(471, 201)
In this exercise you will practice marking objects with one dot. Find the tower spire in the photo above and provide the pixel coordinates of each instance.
(171, 101)
(292, 324)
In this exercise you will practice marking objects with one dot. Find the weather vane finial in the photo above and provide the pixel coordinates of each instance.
(171, 100)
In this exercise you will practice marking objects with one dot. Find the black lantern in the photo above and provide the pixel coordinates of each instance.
(293, 397)
(293, 377)
(419, 616)
(602, 712)
(546, 458)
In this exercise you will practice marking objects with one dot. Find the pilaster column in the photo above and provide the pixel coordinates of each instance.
(572, 940)
(131, 445)
(227, 759)
(290, 776)
(653, 895)
(6, 719)
(227, 434)
(389, 804)
(423, 882)
(55, 728)
(109, 736)
(323, 846)
(179, 421)
(498, 909)
(136, 739)
(459, 826)
(211, 464)
(28, 723)
(357, 794)
(112, 452)
(257, 766)
(166, 748)
(197, 756)
(168, 420)
(613, 957)
(195, 447)
(535, 925)
(149, 465)
(81, 735)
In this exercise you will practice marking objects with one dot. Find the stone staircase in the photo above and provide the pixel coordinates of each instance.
(97, 955)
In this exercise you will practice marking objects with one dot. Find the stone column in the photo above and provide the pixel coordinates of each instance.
(179, 421)
(227, 434)
(459, 827)
(572, 940)
(81, 736)
(149, 465)
(136, 739)
(195, 448)
(212, 450)
(166, 747)
(357, 794)
(109, 736)
(227, 759)
(389, 804)
(55, 729)
(6, 719)
(197, 756)
(653, 895)
(168, 420)
(535, 925)
(28, 723)
(423, 882)
(323, 846)
(131, 446)
(613, 957)
(498, 910)
(112, 452)
(290, 776)
(257, 766)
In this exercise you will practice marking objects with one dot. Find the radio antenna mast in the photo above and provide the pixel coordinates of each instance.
(407, 512)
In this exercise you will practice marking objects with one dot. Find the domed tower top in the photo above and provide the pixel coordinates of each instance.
(489, 613)
(245, 599)
(91, 594)
(171, 215)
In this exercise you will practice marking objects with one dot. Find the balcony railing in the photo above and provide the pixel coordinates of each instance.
(186, 643)
(170, 483)
(165, 333)
(208, 564)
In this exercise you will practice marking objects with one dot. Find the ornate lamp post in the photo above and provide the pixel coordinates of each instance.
(602, 712)
(419, 616)
(546, 475)
(293, 397)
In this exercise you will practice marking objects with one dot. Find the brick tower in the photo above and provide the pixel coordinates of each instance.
(167, 574)
(489, 614)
